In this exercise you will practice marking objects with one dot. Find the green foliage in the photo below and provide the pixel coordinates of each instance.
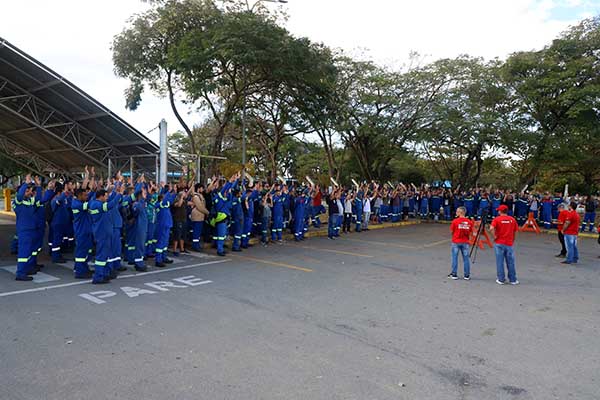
(531, 119)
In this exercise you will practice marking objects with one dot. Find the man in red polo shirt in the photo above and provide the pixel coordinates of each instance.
(461, 229)
(504, 228)
(571, 230)
(560, 222)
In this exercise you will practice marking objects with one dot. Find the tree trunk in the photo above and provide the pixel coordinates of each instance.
(187, 129)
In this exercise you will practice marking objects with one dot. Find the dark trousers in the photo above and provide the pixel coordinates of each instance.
(347, 222)
(561, 239)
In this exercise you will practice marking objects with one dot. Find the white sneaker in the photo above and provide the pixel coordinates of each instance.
(515, 282)
(499, 282)
(467, 278)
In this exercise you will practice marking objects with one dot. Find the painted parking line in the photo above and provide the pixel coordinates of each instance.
(425, 246)
(273, 263)
(40, 277)
(347, 253)
(138, 274)
(401, 246)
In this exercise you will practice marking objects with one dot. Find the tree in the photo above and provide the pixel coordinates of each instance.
(146, 52)
(553, 87)
(470, 119)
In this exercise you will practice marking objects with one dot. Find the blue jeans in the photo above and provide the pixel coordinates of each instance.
(572, 251)
(505, 253)
(463, 248)
(331, 225)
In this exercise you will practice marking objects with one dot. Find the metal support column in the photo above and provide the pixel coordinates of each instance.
(157, 170)
(163, 151)
(109, 168)
(198, 177)
(131, 168)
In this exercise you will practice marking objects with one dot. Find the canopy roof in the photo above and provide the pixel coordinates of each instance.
(47, 124)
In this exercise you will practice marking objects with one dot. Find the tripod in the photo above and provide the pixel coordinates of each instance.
(473, 253)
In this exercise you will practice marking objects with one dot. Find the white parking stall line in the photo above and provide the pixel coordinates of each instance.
(40, 277)
(120, 277)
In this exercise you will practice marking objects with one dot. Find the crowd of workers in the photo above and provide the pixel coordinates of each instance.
(137, 220)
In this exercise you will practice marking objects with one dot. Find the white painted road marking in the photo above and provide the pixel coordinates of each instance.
(120, 277)
(98, 297)
(40, 277)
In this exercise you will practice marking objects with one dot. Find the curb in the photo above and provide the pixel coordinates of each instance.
(8, 214)
(321, 232)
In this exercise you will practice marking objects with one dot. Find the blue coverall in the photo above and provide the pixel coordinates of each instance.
(25, 209)
(164, 222)
(222, 207)
(278, 211)
(84, 238)
(139, 230)
(237, 222)
(102, 230)
(60, 220)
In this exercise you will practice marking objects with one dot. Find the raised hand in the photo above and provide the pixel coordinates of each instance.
(37, 181)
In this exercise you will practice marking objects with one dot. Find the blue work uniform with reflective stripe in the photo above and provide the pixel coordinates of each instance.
(84, 239)
(237, 222)
(278, 217)
(249, 217)
(26, 224)
(521, 209)
(357, 208)
(469, 202)
(102, 230)
(222, 205)
(60, 221)
(164, 222)
(139, 230)
(151, 226)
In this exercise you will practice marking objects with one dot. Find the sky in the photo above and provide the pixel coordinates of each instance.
(73, 37)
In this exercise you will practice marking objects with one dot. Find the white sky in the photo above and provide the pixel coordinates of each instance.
(73, 37)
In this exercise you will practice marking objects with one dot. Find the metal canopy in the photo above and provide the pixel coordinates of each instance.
(47, 124)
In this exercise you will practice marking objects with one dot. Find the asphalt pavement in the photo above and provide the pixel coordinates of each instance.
(368, 316)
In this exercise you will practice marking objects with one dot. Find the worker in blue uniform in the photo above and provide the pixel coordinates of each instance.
(287, 203)
(164, 222)
(424, 205)
(547, 202)
(222, 199)
(25, 209)
(126, 210)
(82, 226)
(114, 262)
(496, 202)
(102, 229)
(278, 212)
(469, 202)
(299, 210)
(306, 193)
(69, 238)
(436, 204)
(140, 227)
(40, 215)
(151, 211)
(357, 209)
(237, 219)
(59, 222)
(484, 206)
(521, 208)
(249, 200)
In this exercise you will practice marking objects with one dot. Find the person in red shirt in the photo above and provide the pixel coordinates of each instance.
(562, 217)
(571, 230)
(504, 228)
(461, 229)
(317, 207)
